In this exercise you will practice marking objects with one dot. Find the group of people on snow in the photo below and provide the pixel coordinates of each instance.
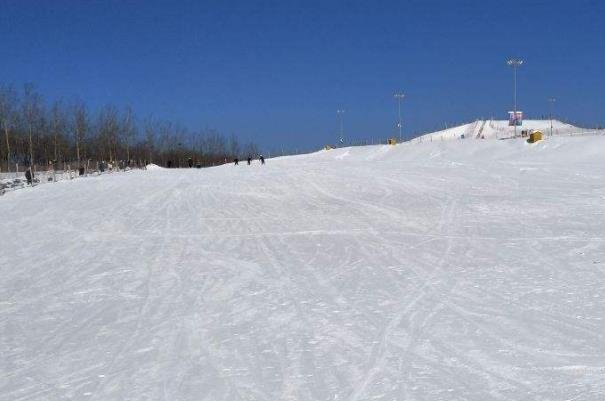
(249, 160)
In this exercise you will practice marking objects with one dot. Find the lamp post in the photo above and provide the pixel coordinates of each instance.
(515, 63)
(340, 113)
(399, 96)
(551, 101)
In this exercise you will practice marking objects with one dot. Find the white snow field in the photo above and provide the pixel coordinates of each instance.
(499, 129)
(451, 270)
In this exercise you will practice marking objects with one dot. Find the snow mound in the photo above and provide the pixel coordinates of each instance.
(499, 129)
(152, 166)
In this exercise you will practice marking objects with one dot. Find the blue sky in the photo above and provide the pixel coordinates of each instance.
(276, 71)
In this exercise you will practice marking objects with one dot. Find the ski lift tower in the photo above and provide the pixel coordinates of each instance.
(515, 63)
(399, 96)
(551, 101)
(340, 113)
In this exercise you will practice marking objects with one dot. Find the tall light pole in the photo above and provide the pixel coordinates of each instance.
(340, 113)
(551, 101)
(399, 96)
(515, 63)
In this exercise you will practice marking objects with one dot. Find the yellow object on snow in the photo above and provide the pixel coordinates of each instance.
(535, 137)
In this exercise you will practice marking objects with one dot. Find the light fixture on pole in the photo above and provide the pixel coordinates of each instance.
(340, 113)
(399, 96)
(515, 63)
(551, 101)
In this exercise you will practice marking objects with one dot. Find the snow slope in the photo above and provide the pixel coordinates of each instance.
(497, 129)
(460, 270)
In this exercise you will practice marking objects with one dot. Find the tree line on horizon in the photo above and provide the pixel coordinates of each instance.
(61, 133)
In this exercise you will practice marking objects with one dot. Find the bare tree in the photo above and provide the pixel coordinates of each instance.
(31, 113)
(58, 126)
(251, 150)
(108, 130)
(8, 100)
(80, 126)
(234, 148)
(150, 138)
(128, 130)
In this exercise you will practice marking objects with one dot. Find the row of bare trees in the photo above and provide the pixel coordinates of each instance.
(40, 135)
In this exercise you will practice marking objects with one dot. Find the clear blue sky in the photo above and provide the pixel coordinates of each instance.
(276, 71)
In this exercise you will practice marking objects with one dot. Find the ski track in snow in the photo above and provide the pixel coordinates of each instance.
(437, 271)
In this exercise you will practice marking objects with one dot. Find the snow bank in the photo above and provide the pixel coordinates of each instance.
(152, 166)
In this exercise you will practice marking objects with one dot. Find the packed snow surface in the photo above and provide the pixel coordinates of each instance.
(498, 129)
(454, 270)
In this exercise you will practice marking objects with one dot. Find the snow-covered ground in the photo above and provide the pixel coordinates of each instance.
(499, 129)
(16, 180)
(451, 270)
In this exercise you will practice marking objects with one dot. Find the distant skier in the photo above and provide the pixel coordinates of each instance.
(249, 160)
(28, 176)
(262, 159)
(235, 161)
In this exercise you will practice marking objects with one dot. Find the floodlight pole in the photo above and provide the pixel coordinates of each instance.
(515, 63)
(399, 96)
(551, 101)
(340, 113)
